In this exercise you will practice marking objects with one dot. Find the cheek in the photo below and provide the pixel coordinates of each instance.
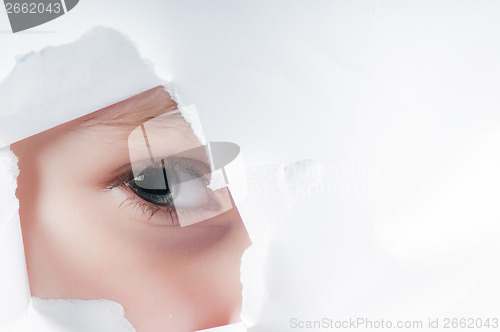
(151, 270)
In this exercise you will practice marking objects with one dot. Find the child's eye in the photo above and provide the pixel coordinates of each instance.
(168, 190)
(153, 185)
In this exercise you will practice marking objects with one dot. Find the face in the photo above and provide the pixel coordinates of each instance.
(92, 229)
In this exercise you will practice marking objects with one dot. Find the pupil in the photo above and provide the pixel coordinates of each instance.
(152, 185)
(153, 179)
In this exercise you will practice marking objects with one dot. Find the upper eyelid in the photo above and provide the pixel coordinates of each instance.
(125, 172)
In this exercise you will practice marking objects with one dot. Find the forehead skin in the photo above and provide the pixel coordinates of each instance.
(133, 111)
(120, 118)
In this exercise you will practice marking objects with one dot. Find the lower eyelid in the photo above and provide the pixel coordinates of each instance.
(163, 215)
(146, 211)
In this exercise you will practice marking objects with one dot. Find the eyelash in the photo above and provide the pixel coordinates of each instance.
(148, 208)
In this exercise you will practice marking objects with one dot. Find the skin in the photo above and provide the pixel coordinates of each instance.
(82, 242)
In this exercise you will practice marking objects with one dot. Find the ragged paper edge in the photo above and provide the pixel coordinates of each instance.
(52, 86)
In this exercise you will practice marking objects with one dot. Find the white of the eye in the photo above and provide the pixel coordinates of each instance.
(190, 192)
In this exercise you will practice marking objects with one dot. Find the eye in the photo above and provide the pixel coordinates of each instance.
(172, 191)
(153, 185)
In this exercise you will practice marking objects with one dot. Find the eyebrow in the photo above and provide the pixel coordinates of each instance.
(134, 111)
